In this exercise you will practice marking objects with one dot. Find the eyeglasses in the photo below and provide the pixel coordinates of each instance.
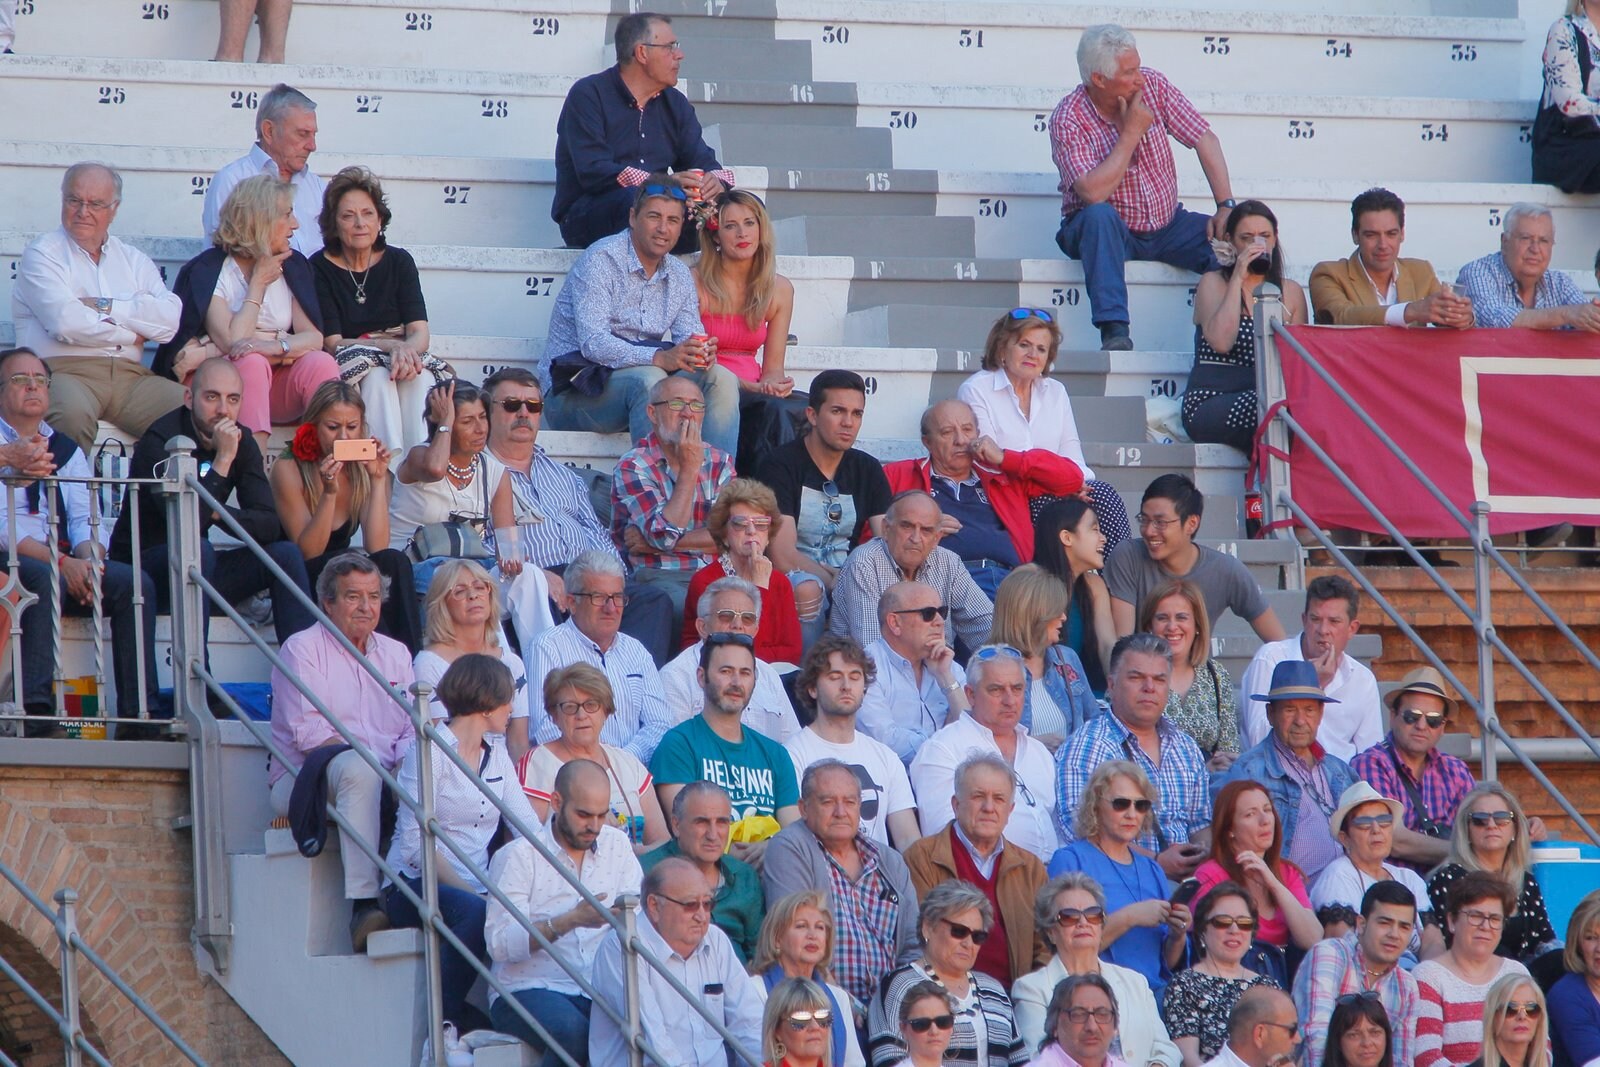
(1032, 313)
(1484, 818)
(1486, 919)
(822, 1018)
(966, 933)
(1158, 525)
(468, 592)
(74, 203)
(749, 522)
(1228, 922)
(572, 707)
(704, 904)
(925, 614)
(923, 1023)
(512, 405)
(1103, 1016)
(1140, 805)
(678, 406)
(673, 45)
(1410, 718)
(1367, 822)
(1093, 915)
(834, 510)
(656, 188)
(606, 600)
(742, 640)
(22, 381)
(1529, 1010)
(728, 617)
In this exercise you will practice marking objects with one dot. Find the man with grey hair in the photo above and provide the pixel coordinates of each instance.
(86, 303)
(663, 489)
(592, 634)
(286, 135)
(1138, 729)
(730, 605)
(997, 684)
(908, 551)
(350, 590)
(702, 822)
(1119, 185)
(868, 885)
(1516, 287)
(918, 685)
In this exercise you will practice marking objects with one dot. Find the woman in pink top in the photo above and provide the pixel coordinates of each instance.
(1246, 839)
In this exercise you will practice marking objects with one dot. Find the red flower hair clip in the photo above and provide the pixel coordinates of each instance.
(305, 446)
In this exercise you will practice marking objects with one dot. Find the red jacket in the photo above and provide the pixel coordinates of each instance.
(1022, 476)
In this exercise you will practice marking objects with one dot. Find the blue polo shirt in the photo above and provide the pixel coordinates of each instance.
(981, 536)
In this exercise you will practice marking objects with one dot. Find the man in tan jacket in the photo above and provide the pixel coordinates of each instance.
(1375, 287)
(974, 848)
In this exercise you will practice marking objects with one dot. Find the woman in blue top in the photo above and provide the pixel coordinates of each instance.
(1143, 931)
(1029, 609)
(1575, 998)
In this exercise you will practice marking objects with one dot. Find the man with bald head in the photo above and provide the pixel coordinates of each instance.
(601, 857)
(918, 687)
(87, 303)
(1263, 1030)
(230, 467)
(908, 550)
(982, 489)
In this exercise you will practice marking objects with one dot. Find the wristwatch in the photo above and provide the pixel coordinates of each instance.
(103, 305)
(1229, 203)
(285, 345)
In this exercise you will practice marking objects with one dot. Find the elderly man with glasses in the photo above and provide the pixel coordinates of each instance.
(919, 686)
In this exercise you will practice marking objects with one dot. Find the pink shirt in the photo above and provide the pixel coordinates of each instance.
(364, 707)
(1275, 929)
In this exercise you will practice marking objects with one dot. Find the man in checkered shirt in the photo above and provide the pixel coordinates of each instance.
(1119, 188)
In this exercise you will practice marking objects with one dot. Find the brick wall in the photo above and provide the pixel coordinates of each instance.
(1574, 593)
(108, 834)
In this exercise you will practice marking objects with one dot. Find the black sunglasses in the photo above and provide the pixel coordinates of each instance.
(923, 1024)
(966, 933)
(1484, 818)
(512, 406)
(1141, 805)
(1032, 313)
(742, 640)
(927, 614)
(1435, 718)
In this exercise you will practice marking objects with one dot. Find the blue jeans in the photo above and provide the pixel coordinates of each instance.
(988, 574)
(626, 400)
(464, 914)
(564, 1016)
(1098, 236)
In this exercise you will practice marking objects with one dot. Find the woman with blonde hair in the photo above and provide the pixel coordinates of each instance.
(1020, 406)
(741, 522)
(797, 1027)
(461, 616)
(1516, 1027)
(1200, 699)
(796, 941)
(1575, 996)
(1029, 609)
(252, 300)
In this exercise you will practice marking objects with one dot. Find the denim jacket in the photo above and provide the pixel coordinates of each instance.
(1261, 764)
(1068, 686)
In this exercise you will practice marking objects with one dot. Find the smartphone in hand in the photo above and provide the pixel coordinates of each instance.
(356, 450)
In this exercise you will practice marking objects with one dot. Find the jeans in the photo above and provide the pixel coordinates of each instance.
(603, 214)
(238, 575)
(674, 583)
(988, 574)
(565, 1017)
(1097, 235)
(116, 590)
(816, 625)
(626, 400)
(463, 912)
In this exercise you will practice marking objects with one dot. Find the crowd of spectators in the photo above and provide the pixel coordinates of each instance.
(916, 763)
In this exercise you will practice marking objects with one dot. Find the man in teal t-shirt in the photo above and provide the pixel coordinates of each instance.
(714, 746)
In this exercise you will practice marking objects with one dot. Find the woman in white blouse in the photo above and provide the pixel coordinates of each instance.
(477, 692)
(1020, 406)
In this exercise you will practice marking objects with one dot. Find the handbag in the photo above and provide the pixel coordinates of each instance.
(356, 361)
(1550, 124)
(459, 537)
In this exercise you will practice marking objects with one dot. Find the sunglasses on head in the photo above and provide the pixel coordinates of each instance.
(1364, 996)
(1484, 818)
(801, 1019)
(1228, 922)
(1141, 805)
(1031, 313)
(1410, 718)
(923, 1023)
(512, 406)
(674, 191)
(742, 640)
(926, 614)
(966, 933)
(988, 652)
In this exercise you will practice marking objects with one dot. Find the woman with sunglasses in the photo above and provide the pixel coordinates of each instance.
(1081, 1025)
(1143, 930)
(956, 919)
(741, 522)
(796, 941)
(1516, 1026)
(1199, 999)
(1200, 699)
(1364, 823)
(1575, 997)
(1491, 834)
(927, 1019)
(1020, 406)
(1071, 913)
(1029, 609)
(797, 1027)
(1068, 543)
(1246, 847)
(1359, 1033)
(1452, 988)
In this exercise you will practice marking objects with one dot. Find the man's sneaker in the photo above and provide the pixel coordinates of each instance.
(456, 1053)
(1114, 337)
(364, 922)
(258, 609)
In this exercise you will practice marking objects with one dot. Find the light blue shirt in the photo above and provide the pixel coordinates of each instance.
(1488, 283)
(308, 190)
(641, 717)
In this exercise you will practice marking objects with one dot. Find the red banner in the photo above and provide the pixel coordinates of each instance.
(1511, 417)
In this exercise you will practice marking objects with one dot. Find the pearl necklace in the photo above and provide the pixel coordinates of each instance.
(462, 474)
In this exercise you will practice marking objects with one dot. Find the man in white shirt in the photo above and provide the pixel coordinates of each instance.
(87, 303)
(917, 687)
(286, 135)
(676, 929)
(996, 686)
(1263, 1030)
(730, 605)
(596, 854)
(1329, 622)
(832, 681)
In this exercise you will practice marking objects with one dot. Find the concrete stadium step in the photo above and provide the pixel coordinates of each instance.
(768, 145)
(889, 235)
(746, 56)
(1215, 469)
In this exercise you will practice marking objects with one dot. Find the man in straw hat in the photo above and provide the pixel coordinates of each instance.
(1302, 778)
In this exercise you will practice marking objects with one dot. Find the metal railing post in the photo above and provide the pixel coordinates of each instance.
(420, 693)
(1483, 628)
(66, 931)
(630, 977)
(1271, 391)
(213, 917)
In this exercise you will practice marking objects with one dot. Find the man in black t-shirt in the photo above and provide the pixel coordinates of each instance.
(834, 494)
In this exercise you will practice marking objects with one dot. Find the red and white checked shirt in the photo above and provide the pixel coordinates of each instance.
(1081, 139)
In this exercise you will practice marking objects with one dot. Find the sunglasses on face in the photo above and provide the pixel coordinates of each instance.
(512, 405)
(923, 1023)
(1140, 805)
(966, 933)
(1530, 1010)
(1498, 818)
(1228, 922)
(1031, 313)
(801, 1019)
(925, 614)
(1411, 718)
(1094, 916)
(746, 522)
(1367, 822)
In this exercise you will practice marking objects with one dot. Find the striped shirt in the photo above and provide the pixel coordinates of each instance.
(1450, 1013)
(870, 570)
(986, 1025)
(641, 714)
(1335, 967)
(553, 509)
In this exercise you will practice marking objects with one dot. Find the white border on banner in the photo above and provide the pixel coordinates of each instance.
(1471, 368)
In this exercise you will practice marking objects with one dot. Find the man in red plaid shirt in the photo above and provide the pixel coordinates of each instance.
(1119, 187)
